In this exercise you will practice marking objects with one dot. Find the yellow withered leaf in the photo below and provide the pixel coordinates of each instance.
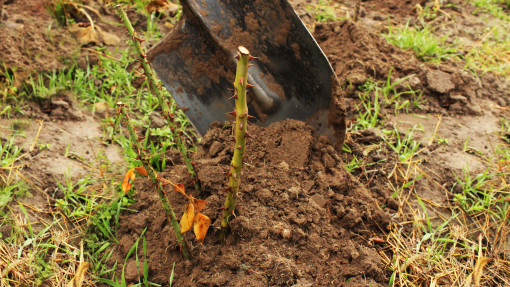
(202, 223)
(187, 218)
(126, 185)
(180, 188)
(198, 203)
(141, 171)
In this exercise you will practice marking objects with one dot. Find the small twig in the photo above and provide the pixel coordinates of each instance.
(435, 130)
(37, 135)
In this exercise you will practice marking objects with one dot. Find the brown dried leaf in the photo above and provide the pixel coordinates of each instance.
(162, 7)
(180, 188)
(202, 223)
(130, 175)
(198, 203)
(84, 35)
(108, 38)
(187, 218)
(141, 171)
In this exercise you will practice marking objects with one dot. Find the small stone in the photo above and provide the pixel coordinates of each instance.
(294, 192)
(283, 165)
(440, 81)
(286, 233)
(475, 109)
(60, 103)
(459, 98)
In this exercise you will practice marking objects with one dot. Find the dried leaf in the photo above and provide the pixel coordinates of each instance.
(180, 188)
(198, 203)
(84, 35)
(141, 171)
(202, 223)
(188, 218)
(163, 7)
(130, 175)
(108, 38)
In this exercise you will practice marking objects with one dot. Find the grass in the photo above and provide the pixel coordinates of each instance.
(450, 244)
(376, 96)
(493, 7)
(491, 53)
(426, 45)
(325, 11)
(87, 208)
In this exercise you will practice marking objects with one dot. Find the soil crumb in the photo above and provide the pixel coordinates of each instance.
(301, 219)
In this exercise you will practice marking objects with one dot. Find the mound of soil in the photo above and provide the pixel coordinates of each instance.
(301, 219)
(357, 55)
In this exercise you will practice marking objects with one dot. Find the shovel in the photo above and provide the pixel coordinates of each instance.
(292, 77)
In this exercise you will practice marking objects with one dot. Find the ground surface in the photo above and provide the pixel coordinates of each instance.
(308, 215)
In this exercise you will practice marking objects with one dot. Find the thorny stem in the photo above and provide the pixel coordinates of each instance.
(157, 89)
(241, 124)
(144, 158)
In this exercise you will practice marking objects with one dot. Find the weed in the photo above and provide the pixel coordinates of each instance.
(491, 53)
(493, 7)
(12, 100)
(58, 10)
(478, 194)
(404, 146)
(426, 45)
(369, 112)
(152, 32)
(8, 192)
(325, 11)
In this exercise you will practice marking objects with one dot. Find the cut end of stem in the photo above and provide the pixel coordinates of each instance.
(243, 51)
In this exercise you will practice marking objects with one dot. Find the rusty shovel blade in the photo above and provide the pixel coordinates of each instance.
(292, 76)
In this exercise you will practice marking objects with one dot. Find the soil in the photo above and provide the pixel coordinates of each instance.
(302, 219)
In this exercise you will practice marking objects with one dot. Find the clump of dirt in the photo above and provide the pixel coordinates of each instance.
(301, 218)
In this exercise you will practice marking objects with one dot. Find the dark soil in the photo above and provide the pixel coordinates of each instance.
(301, 218)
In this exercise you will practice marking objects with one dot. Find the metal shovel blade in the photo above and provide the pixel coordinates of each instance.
(292, 76)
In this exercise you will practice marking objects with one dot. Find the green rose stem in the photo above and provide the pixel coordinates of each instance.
(144, 159)
(158, 90)
(241, 124)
